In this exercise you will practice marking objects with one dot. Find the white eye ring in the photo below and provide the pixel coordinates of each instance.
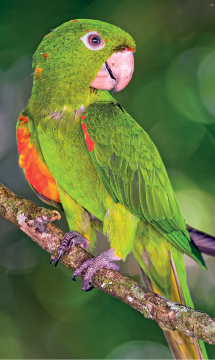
(87, 41)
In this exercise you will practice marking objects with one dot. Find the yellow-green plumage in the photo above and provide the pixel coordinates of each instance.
(122, 180)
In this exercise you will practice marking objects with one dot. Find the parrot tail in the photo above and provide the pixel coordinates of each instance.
(204, 242)
(164, 273)
(182, 346)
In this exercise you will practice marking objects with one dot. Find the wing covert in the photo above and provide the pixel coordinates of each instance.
(132, 170)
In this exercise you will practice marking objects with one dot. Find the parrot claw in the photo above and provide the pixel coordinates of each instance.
(70, 239)
(52, 259)
(91, 266)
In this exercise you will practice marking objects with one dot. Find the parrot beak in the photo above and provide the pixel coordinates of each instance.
(116, 72)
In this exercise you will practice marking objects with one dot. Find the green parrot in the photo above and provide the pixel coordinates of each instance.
(79, 148)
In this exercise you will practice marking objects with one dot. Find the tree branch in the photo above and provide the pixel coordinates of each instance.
(36, 223)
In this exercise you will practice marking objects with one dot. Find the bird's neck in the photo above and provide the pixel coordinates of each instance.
(97, 96)
(79, 102)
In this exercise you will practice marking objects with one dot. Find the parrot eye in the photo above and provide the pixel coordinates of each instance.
(92, 41)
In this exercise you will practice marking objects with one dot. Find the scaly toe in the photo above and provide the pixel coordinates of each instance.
(93, 265)
(69, 240)
(80, 269)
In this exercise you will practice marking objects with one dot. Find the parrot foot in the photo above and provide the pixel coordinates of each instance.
(70, 239)
(102, 261)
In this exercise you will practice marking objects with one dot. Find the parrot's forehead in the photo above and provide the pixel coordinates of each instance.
(79, 27)
(83, 25)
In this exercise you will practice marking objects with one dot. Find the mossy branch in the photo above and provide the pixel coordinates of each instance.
(169, 315)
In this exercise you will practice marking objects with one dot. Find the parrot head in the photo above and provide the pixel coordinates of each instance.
(80, 55)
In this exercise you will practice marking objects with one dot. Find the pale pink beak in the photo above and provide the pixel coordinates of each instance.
(116, 72)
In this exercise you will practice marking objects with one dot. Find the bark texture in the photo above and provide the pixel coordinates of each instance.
(36, 222)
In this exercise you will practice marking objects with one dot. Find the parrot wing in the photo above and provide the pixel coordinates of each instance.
(132, 171)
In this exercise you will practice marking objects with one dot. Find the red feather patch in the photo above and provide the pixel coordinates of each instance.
(37, 73)
(89, 142)
(35, 169)
(44, 55)
(23, 119)
(130, 49)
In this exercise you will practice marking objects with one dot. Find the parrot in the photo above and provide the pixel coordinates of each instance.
(80, 149)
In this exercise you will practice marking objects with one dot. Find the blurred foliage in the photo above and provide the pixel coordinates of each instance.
(43, 314)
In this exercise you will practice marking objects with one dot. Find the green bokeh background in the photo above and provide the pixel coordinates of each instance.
(43, 314)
